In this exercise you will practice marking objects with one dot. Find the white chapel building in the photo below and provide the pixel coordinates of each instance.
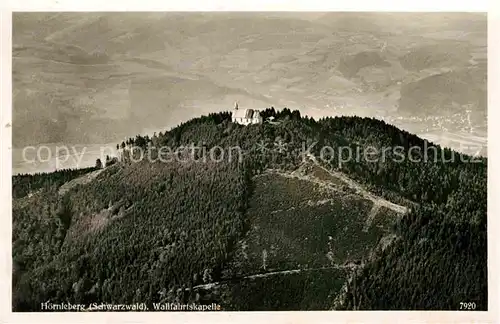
(246, 116)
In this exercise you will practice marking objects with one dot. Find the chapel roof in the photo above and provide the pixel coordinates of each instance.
(244, 113)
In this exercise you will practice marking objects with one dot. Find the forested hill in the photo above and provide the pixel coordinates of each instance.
(281, 227)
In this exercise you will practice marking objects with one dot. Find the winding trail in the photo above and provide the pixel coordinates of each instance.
(87, 178)
(349, 266)
(356, 187)
(378, 201)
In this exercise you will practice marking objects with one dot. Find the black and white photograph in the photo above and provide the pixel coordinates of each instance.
(169, 161)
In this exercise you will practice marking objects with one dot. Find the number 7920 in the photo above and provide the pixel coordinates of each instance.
(467, 305)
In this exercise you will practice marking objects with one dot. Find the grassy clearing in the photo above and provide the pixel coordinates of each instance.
(295, 223)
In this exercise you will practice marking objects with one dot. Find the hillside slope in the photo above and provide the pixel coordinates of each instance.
(273, 229)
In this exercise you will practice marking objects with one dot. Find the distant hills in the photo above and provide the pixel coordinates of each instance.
(447, 92)
(97, 77)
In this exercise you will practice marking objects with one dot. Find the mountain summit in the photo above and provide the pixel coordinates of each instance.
(297, 214)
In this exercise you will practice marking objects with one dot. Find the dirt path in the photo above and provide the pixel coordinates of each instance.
(349, 266)
(373, 212)
(79, 181)
(356, 187)
(377, 201)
